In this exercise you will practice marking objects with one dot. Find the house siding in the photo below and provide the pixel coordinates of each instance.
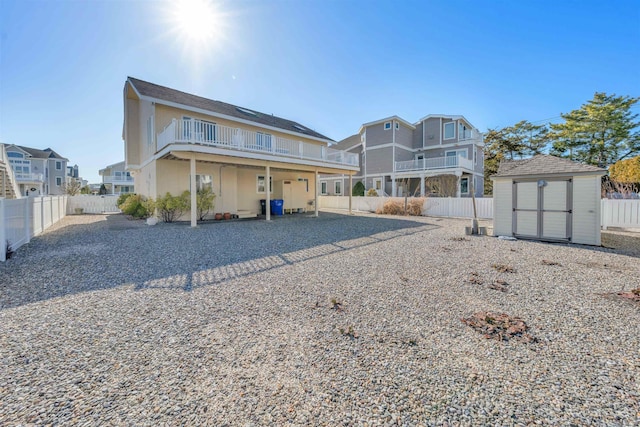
(380, 161)
(404, 136)
(586, 210)
(376, 135)
(432, 132)
(417, 136)
(132, 132)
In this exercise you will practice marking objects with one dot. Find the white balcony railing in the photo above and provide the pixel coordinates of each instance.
(117, 179)
(449, 162)
(29, 177)
(192, 131)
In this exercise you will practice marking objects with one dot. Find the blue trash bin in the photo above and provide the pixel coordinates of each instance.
(277, 207)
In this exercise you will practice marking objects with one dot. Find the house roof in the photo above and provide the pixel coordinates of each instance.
(542, 164)
(47, 153)
(388, 119)
(348, 142)
(172, 95)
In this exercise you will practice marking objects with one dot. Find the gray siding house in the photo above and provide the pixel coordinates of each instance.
(37, 172)
(440, 155)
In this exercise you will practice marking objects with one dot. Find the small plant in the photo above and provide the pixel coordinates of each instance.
(205, 201)
(502, 268)
(499, 285)
(136, 206)
(8, 250)
(372, 192)
(415, 206)
(547, 262)
(349, 332)
(391, 207)
(633, 295)
(358, 189)
(459, 239)
(123, 198)
(336, 305)
(171, 208)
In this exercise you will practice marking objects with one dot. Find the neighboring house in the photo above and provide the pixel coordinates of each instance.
(116, 179)
(175, 141)
(398, 158)
(37, 172)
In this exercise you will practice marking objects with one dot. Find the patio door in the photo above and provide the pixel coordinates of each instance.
(377, 184)
(542, 209)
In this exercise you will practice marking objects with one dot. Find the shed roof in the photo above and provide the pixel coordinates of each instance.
(163, 93)
(543, 164)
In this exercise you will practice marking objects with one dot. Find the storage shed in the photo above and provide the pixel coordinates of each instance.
(547, 198)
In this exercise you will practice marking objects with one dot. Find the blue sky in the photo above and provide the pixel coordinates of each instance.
(331, 65)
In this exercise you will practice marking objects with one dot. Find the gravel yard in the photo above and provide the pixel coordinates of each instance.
(337, 320)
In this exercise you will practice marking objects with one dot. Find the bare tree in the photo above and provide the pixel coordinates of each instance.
(72, 187)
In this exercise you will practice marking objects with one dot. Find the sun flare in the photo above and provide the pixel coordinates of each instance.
(196, 20)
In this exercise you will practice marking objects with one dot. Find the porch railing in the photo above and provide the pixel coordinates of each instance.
(193, 131)
(30, 177)
(448, 162)
(116, 179)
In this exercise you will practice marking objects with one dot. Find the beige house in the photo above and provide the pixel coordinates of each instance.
(175, 141)
(116, 179)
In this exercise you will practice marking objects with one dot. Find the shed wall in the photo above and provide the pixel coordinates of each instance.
(502, 207)
(586, 210)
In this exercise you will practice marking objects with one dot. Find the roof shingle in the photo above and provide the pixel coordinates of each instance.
(543, 164)
(172, 95)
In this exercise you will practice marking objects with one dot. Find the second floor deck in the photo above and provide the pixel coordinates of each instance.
(436, 163)
(193, 131)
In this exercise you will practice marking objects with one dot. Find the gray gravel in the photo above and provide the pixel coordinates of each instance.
(340, 320)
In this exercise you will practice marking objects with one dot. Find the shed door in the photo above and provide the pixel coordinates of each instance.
(542, 209)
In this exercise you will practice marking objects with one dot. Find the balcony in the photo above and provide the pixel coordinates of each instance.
(436, 163)
(192, 131)
(117, 179)
(28, 177)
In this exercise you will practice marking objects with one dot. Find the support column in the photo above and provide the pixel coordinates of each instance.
(316, 194)
(350, 191)
(394, 191)
(194, 203)
(458, 188)
(267, 181)
(422, 178)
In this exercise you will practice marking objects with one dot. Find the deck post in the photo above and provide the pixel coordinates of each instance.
(267, 187)
(194, 203)
(316, 194)
(350, 191)
(422, 178)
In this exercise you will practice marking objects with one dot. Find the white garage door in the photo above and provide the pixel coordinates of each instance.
(542, 209)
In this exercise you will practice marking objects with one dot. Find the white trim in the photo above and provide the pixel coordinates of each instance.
(391, 145)
(233, 119)
(444, 132)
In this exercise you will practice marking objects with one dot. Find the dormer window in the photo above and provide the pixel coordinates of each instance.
(387, 125)
(300, 128)
(248, 112)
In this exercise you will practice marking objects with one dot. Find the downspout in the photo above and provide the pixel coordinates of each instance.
(393, 155)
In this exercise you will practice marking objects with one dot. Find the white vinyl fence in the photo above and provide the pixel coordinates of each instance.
(620, 213)
(93, 204)
(21, 219)
(434, 206)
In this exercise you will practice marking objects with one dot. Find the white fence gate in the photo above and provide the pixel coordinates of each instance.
(93, 204)
(21, 219)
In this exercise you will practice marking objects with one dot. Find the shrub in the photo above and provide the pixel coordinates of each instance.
(391, 207)
(171, 207)
(136, 206)
(415, 206)
(358, 189)
(205, 201)
(123, 198)
(372, 193)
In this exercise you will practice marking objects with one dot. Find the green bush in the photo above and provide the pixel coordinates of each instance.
(171, 207)
(372, 193)
(137, 206)
(123, 198)
(205, 200)
(358, 189)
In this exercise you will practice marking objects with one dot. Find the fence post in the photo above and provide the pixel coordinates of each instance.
(3, 234)
(41, 214)
(27, 220)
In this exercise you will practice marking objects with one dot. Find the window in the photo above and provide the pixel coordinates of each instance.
(397, 125)
(15, 155)
(58, 181)
(260, 184)
(323, 187)
(337, 186)
(449, 130)
(475, 157)
(463, 131)
(306, 181)
(202, 182)
(387, 125)
(263, 141)
(464, 185)
(58, 165)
